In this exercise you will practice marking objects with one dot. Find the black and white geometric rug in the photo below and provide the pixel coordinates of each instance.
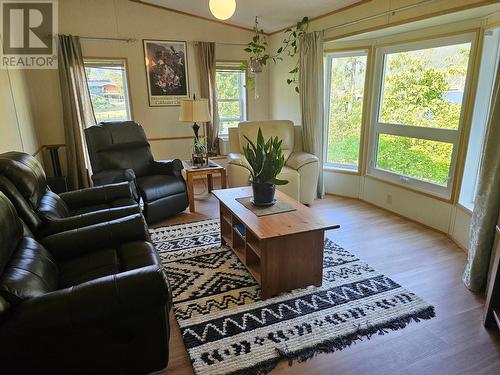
(227, 329)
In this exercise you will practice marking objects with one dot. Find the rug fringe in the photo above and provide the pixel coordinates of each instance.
(329, 346)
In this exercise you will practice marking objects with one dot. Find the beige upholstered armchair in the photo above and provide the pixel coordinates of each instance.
(301, 169)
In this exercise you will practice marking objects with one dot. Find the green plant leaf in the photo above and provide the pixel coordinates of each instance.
(279, 182)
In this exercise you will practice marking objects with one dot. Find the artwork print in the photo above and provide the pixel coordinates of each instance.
(167, 72)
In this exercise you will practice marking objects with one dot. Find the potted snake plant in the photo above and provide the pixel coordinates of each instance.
(266, 160)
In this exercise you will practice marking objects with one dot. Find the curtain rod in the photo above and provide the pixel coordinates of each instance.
(133, 40)
(221, 43)
(128, 40)
(378, 15)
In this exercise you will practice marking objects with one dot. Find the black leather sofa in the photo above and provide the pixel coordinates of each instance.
(119, 151)
(23, 181)
(87, 301)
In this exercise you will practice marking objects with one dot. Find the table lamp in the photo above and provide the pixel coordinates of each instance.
(194, 111)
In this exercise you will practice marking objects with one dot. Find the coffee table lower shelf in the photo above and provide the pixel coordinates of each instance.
(278, 264)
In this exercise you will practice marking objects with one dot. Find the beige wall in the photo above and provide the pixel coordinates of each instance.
(17, 130)
(126, 19)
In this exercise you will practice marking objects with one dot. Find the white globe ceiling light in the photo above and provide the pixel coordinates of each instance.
(222, 9)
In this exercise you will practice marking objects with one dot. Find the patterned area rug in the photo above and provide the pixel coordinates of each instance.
(227, 329)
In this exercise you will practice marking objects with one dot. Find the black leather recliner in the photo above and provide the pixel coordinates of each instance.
(119, 151)
(90, 300)
(23, 181)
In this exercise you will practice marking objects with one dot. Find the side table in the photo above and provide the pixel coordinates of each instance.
(208, 171)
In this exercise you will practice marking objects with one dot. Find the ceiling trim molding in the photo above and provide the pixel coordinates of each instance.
(354, 5)
(194, 15)
(413, 19)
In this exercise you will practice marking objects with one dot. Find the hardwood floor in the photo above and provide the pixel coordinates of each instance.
(424, 261)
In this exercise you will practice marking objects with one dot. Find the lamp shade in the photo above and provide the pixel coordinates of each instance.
(194, 110)
(222, 9)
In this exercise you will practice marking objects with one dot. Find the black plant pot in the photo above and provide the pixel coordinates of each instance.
(263, 194)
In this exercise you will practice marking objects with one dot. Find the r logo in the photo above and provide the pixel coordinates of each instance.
(27, 27)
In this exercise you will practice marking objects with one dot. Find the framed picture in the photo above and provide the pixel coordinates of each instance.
(166, 72)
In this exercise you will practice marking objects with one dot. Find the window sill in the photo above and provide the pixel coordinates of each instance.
(467, 208)
(333, 169)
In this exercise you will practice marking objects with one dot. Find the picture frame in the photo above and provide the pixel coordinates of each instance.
(166, 72)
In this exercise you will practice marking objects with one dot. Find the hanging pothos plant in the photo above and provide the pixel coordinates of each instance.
(257, 47)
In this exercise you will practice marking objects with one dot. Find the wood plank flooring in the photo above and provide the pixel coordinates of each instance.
(422, 260)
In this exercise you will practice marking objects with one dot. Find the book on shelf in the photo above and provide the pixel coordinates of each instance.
(240, 228)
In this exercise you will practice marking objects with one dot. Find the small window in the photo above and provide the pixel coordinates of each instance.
(345, 89)
(107, 82)
(231, 96)
(419, 93)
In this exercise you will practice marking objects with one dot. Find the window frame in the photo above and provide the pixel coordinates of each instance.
(243, 92)
(329, 55)
(490, 58)
(121, 61)
(451, 136)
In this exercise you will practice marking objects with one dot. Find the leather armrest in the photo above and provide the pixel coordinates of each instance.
(90, 218)
(170, 167)
(298, 159)
(238, 159)
(96, 195)
(112, 176)
(94, 301)
(67, 245)
(4, 308)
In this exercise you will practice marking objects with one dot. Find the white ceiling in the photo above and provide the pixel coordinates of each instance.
(273, 14)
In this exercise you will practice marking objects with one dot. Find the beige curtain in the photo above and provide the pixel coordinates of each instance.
(207, 69)
(77, 109)
(311, 97)
(487, 202)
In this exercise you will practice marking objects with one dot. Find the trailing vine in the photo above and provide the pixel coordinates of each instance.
(257, 47)
(291, 46)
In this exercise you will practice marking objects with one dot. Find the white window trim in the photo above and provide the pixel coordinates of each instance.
(434, 134)
(329, 56)
(221, 66)
(482, 108)
(122, 62)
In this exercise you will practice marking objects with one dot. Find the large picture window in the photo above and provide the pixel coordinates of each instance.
(418, 99)
(231, 95)
(107, 83)
(345, 86)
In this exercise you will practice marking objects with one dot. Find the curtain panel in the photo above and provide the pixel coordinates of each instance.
(487, 201)
(311, 98)
(77, 109)
(205, 53)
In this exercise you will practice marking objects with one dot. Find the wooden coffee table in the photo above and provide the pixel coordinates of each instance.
(208, 171)
(283, 251)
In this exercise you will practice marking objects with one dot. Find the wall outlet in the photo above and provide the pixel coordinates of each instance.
(388, 199)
